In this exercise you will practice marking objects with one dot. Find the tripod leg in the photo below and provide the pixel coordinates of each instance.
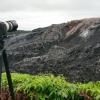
(0, 68)
(8, 74)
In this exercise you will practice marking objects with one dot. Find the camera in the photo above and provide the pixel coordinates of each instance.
(7, 26)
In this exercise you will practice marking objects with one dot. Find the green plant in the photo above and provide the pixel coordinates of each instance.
(49, 87)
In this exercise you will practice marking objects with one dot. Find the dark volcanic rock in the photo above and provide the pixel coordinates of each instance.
(71, 49)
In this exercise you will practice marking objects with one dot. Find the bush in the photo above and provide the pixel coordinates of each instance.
(49, 87)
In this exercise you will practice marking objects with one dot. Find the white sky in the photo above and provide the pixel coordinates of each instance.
(31, 14)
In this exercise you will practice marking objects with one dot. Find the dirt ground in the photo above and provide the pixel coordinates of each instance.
(5, 95)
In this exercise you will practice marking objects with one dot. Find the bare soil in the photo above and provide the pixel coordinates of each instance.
(5, 95)
(71, 49)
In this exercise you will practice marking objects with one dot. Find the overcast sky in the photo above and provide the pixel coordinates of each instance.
(31, 14)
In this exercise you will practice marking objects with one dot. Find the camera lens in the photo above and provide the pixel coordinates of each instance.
(11, 25)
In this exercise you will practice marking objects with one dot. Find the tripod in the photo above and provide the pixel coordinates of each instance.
(3, 58)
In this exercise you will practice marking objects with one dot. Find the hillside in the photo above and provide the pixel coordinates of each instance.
(71, 49)
(17, 32)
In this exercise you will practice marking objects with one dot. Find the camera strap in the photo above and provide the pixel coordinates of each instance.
(1, 60)
(0, 68)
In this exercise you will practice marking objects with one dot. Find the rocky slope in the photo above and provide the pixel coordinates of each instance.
(71, 49)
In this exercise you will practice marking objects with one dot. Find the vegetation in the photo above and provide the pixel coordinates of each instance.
(50, 87)
(17, 32)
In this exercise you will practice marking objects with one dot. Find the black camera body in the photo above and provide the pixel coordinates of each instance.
(3, 31)
(7, 26)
